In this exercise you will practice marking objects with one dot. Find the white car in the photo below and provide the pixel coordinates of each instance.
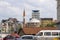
(27, 37)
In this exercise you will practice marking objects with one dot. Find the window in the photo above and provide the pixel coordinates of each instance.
(59, 33)
(27, 37)
(47, 33)
(40, 34)
(55, 33)
(0, 31)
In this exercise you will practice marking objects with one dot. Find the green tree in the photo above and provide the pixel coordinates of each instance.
(51, 25)
(19, 28)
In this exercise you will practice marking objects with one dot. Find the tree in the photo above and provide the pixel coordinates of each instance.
(19, 28)
(51, 25)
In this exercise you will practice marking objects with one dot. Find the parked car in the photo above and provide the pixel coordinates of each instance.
(1, 38)
(12, 36)
(9, 37)
(27, 37)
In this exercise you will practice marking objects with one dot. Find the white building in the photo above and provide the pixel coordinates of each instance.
(33, 23)
(36, 14)
(10, 25)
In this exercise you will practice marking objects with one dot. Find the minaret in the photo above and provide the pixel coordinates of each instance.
(24, 18)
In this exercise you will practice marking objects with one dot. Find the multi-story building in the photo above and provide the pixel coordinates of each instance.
(58, 13)
(58, 10)
(46, 21)
(36, 14)
(10, 25)
(4, 26)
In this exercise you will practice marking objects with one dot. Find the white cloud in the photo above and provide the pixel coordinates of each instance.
(14, 8)
(8, 6)
(47, 7)
(8, 10)
(3, 3)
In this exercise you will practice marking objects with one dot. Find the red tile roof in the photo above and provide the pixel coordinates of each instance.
(34, 30)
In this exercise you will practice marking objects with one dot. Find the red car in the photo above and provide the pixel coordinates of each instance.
(9, 37)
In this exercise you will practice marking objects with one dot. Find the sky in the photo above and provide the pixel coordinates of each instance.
(15, 8)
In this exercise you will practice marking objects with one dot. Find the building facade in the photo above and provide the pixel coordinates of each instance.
(58, 10)
(10, 25)
(46, 21)
(58, 13)
(33, 23)
(36, 14)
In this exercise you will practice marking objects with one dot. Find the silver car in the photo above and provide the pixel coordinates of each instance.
(27, 37)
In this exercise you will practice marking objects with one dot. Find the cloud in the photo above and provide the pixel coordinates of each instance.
(14, 8)
(47, 7)
(9, 6)
(3, 3)
(8, 10)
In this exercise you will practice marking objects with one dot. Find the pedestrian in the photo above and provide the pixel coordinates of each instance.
(15, 34)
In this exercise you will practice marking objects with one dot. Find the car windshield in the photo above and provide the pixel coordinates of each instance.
(27, 37)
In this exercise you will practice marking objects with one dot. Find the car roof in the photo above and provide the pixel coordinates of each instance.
(50, 31)
(27, 35)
